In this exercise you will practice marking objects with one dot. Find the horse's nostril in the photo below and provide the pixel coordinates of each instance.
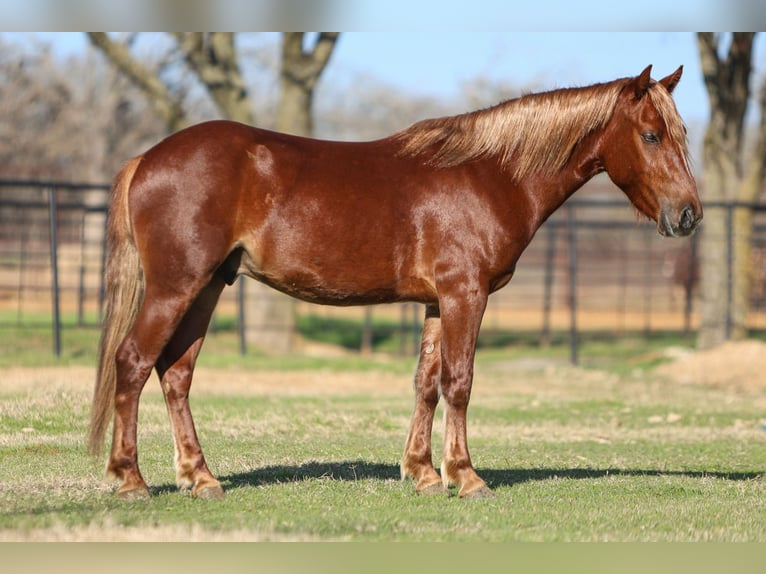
(687, 218)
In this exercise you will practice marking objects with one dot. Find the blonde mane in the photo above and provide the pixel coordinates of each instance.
(535, 133)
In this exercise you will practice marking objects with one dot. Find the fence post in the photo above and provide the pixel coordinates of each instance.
(22, 266)
(550, 253)
(729, 269)
(572, 240)
(366, 347)
(415, 330)
(81, 273)
(241, 330)
(102, 274)
(647, 281)
(403, 330)
(689, 285)
(53, 217)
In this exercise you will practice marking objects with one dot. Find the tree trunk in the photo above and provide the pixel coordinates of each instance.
(724, 284)
(716, 291)
(300, 73)
(749, 190)
(294, 112)
(214, 59)
(271, 315)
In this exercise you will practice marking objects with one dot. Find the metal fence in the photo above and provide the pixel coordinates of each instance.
(51, 254)
(592, 267)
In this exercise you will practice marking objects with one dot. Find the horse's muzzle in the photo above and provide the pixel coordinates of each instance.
(679, 224)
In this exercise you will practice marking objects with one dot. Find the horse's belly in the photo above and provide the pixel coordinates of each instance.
(320, 268)
(324, 289)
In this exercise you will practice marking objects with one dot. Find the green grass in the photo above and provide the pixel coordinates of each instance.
(572, 455)
(600, 452)
(30, 344)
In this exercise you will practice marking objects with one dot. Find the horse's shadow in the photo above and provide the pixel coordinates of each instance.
(356, 470)
(362, 470)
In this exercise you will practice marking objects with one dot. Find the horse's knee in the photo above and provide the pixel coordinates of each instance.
(457, 391)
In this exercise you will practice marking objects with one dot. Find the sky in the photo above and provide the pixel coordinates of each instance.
(388, 15)
(440, 63)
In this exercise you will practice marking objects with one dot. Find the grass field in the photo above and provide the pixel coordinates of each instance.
(309, 450)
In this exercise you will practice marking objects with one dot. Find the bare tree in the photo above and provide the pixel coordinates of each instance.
(168, 105)
(67, 119)
(728, 179)
(213, 58)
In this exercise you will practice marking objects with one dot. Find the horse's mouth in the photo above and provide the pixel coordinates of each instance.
(688, 221)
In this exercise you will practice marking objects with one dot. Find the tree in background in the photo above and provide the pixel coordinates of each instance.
(67, 120)
(299, 74)
(213, 58)
(728, 178)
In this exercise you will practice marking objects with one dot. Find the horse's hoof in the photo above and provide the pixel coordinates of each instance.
(140, 493)
(482, 492)
(210, 493)
(431, 489)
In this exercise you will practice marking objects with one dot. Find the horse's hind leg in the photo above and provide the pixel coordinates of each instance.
(175, 367)
(135, 358)
(416, 461)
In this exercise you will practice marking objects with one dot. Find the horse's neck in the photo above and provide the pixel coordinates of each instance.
(553, 190)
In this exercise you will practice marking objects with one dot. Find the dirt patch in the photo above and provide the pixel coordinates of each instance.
(740, 365)
(219, 381)
(96, 532)
(33, 379)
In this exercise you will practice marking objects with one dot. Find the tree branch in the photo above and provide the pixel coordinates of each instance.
(213, 57)
(707, 44)
(324, 48)
(168, 106)
(305, 68)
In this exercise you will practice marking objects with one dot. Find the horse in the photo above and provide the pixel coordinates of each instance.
(438, 213)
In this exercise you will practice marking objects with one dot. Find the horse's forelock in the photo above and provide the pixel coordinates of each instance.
(665, 105)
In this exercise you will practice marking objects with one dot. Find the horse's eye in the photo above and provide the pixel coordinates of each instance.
(650, 137)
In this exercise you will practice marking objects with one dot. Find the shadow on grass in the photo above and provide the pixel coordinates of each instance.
(361, 470)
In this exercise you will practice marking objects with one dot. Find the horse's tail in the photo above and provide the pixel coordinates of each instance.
(124, 294)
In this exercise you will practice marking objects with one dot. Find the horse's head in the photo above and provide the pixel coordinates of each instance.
(645, 153)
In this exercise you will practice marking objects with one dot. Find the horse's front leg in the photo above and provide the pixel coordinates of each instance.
(461, 314)
(417, 461)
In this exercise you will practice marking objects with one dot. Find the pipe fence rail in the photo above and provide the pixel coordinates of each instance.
(592, 267)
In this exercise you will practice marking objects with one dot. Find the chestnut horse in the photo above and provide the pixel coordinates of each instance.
(438, 213)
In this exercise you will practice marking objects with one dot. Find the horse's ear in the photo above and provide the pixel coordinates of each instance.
(643, 81)
(670, 82)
